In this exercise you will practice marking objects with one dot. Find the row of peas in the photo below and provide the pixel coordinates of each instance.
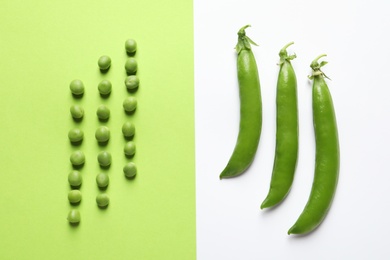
(129, 105)
(102, 133)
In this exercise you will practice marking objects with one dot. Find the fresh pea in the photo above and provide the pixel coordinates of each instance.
(103, 112)
(128, 129)
(76, 87)
(75, 135)
(105, 87)
(102, 134)
(104, 158)
(102, 200)
(131, 66)
(130, 170)
(129, 148)
(250, 109)
(132, 82)
(104, 62)
(75, 179)
(130, 104)
(102, 180)
(286, 152)
(74, 216)
(76, 111)
(131, 46)
(74, 196)
(77, 158)
(327, 159)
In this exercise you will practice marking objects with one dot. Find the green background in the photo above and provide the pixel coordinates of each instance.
(43, 46)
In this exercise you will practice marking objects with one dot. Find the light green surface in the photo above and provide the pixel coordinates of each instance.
(43, 46)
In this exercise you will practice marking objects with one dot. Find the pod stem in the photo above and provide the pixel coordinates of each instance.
(244, 42)
(316, 67)
(283, 54)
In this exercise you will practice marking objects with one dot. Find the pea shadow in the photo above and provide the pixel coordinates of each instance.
(102, 144)
(75, 187)
(74, 225)
(131, 54)
(104, 71)
(131, 178)
(103, 207)
(78, 143)
(80, 96)
(103, 120)
(130, 113)
(105, 167)
(78, 167)
(75, 204)
(129, 156)
(132, 90)
(78, 120)
(105, 96)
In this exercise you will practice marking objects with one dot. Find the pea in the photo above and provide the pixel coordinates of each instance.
(76, 111)
(128, 129)
(75, 179)
(103, 112)
(102, 180)
(129, 104)
(102, 134)
(77, 87)
(130, 170)
(327, 155)
(102, 200)
(129, 148)
(74, 216)
(74, 196)
(131, 46)
(132, 82)
(104, 62)
(105, 87)
(104, 158)
(75, 135)
(250, 109)
(131, 66)
(77, 158)
(286, 149)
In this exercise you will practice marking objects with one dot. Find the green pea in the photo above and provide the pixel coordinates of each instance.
(75, 179)
(128, 129)
(75, 135)
(132, 82)
(74, 216)
(76, 111)
(103, 112)
(104, 158)
(130, 170)
(129, 148)
(131, 46)
(77, 87)
(102, 200)
(102, 134)
(104, 62)
(77, 158)
(131, 66)
(129, 104)
(74, 196)
(105, 87)
(102, 180)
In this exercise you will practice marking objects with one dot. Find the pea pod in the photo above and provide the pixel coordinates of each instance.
(286, 150)
(250, 109)
(327, 159)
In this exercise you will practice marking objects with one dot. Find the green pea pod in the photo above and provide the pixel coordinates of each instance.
(327, 155)
(286, 150)
(250, 109)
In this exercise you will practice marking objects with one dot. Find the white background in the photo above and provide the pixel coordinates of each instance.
(354, 35)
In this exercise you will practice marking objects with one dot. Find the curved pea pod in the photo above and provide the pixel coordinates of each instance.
(327, 159)
(250, 109)
(286, 149)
